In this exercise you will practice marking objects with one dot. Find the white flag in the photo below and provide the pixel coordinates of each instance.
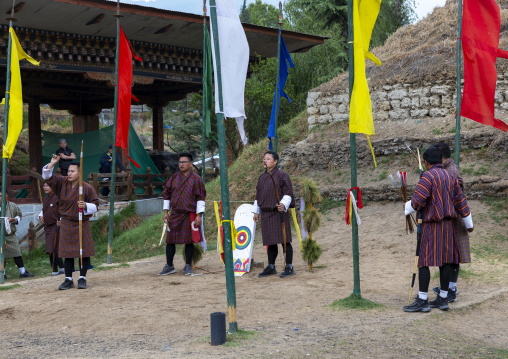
(234, 58)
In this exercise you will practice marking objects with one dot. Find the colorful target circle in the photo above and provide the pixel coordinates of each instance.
(243, 237)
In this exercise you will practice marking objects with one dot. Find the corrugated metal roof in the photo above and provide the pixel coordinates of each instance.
(141, 23)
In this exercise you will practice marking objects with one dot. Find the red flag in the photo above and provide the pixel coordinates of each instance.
(480, 41)
(124, 93)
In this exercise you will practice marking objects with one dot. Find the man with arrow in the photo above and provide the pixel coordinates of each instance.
(67, 190)
(439, 196)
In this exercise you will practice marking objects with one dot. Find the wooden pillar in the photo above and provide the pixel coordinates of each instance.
(34, 133)
(158, 128)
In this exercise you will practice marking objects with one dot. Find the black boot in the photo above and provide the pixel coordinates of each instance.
(441, 303)
(419, 305)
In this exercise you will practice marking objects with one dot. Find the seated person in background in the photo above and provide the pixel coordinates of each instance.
(66, 156)
(105, 162)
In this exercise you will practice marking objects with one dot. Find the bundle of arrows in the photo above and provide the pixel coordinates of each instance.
(403, 194)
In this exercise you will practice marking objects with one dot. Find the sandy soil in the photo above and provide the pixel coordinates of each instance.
(132, 312)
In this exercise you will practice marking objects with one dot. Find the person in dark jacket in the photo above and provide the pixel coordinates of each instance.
(105, 162)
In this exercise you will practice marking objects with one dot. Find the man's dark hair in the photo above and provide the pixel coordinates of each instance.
(274, 155)
(433, 155)
(445, 150)
(186, 154)
(74, 164)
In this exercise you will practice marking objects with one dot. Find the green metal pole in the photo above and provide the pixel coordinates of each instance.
(4, 160)
(113, 162)
(459, 94)
(203, 124)
(277, 90)
(224, 184)
(352, 141)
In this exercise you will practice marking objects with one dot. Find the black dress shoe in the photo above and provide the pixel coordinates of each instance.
(419, 305)
(441, 303)
(67, 284)
(81, 283)
(5, 277)
(288, 271)
(267, 271)
(27, 274)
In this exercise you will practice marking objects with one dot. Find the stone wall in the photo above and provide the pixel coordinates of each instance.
(399, 102)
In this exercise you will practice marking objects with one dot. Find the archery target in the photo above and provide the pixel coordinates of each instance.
(243, 237)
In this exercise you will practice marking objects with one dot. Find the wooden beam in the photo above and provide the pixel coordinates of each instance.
(158, 128)
(34, 133)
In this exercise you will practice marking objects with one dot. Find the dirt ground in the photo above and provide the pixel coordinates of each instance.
(133, 313)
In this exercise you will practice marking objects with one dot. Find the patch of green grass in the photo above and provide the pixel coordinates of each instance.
(383, 175)
(468, 274)
(329, 203)
(7, 287)
(239, 338)
(388, 159)
(437, 131)
(103, 268)
(467, 170)
(319, 267)
(355, 302)
(452, 130)
(498, 209)
(483, 170)
(468, 150)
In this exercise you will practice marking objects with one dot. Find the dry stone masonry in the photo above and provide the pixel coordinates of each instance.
(398, 102)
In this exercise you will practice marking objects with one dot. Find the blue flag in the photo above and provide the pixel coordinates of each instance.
(283, 76)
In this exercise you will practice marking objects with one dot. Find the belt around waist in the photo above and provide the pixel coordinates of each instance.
(269, 209)
(85, 219)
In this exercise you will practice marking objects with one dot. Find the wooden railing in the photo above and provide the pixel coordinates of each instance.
(28, 186)
(127, 184)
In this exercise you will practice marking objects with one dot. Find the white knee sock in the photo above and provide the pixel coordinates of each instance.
(443, 293)
(423, 295)
(453, 286)
(22, 270)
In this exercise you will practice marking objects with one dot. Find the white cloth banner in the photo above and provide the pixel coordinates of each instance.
(305, 235)
(234, 62)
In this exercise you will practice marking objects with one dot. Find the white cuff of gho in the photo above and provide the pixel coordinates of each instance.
(409, 209)
(200, 207)
(18, 219)
(41, 214)
(90, 209)
(468, 221)
(46, 172)
(286, 201)
(255, 208)
(165, 206)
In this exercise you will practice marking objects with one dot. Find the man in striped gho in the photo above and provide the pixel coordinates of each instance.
(439, 196)
(67, 190)
(461, 231)
(268, 208)
(185, 195)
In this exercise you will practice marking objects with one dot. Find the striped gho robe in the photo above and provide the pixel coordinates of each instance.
(182, 194)
(439, 196)
(50, 215)
(461, 232)
(11, 242)
(68, 197)
(266, 206)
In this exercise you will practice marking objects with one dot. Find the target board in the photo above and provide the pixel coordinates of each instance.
(244, 241)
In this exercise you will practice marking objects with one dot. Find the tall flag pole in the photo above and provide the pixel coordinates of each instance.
(459, 93)
(13, 118)
(113, 161)
(352, 144)
(277, 90)
(4, 160)
(203, 121)
(283, 58)
(230, 75)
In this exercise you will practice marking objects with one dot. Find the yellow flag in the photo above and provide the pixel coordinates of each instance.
(15, 120)
(365, 13)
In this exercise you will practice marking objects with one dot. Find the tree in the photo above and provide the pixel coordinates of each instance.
(259, 13)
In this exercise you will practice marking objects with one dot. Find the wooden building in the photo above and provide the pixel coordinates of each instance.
(75, 42)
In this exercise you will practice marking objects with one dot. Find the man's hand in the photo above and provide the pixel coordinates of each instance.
(198, 221)
(470, 229)
(166, 216)
(54, 160)
(41, 219)
(82, 204)
(281, 207)
(256, 218)
(110, 160)
(58, 223)
(12, 220)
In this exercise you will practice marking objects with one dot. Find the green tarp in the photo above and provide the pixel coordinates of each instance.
(95, 144)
